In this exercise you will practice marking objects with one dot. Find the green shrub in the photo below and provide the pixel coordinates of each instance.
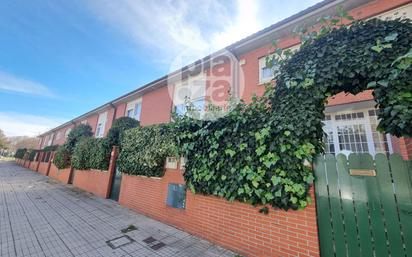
(50, 148)
(62, 157)
(91, 153)
(20, 153)
(144, 150)
(32, 154)
(119, 126)
(77, 133)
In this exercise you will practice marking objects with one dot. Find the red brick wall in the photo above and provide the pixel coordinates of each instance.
(33, 165)
(237, 226)
(60, 175)
(43, 167)
(26, 164)
(93, 181)
(408, 142)
(156, 107)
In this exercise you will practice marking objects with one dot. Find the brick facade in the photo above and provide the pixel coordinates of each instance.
(93, 181)
(234, 225)
(62, 175)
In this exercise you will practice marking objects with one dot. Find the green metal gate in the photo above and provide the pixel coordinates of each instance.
(364, 206)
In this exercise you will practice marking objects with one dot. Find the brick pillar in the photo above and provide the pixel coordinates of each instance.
(112, 169)
(50, 162)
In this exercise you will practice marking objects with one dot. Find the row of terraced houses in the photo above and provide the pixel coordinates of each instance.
(350, 121)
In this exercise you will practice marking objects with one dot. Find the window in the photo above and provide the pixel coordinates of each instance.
(50, 139)
(58, 135)
(134, 109)
(265, 73)
(66, 134)
(354, 132)
(198, 106)
(101, 123)
(192, 89)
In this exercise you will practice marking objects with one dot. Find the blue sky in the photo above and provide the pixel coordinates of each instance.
(59, 58)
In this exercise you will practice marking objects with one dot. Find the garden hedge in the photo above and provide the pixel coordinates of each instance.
(20, 153)
(144, 150)
(91, 153)
(119, 126)
(32, 154)
(62, 158)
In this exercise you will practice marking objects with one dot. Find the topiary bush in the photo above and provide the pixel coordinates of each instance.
(50, 148)
(20, 153)
(77, 133)
(91, 153)
(32, 154)
(119, 126)
(62, 157)
(144, 150)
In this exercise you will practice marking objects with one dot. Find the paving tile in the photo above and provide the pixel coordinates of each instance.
(40, 217)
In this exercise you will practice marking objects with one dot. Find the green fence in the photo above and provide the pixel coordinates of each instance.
(364, 205)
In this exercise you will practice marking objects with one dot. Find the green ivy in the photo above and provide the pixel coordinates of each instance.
(91, 153)
(144, 150)
(257, 152)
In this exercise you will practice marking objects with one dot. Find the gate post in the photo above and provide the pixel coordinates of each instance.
(112, 169)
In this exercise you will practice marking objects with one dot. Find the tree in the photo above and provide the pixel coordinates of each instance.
(4, 142)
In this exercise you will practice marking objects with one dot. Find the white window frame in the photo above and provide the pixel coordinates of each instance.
(262, 65)
(66, 134)
(134, 109)
(101, 124)
(333, 124)
(195, 88)
(50, 141)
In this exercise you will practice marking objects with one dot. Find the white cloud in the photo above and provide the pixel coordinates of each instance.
(183, 31)
(18, 124)
(9, 82)
(191, 28)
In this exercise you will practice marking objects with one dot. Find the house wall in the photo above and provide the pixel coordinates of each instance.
(234, 225)
(156, 107)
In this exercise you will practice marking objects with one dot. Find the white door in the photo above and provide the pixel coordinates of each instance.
(355, 132)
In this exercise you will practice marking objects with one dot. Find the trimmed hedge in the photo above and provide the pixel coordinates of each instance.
(50, 148)
(20, 153)
(119, 126)
(32, 154)
(62, 159)
(91, 153)
(144, 150)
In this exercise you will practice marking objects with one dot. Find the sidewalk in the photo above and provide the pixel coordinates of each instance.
(41, 217)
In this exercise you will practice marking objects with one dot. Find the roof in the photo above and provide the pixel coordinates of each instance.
(325, 4)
